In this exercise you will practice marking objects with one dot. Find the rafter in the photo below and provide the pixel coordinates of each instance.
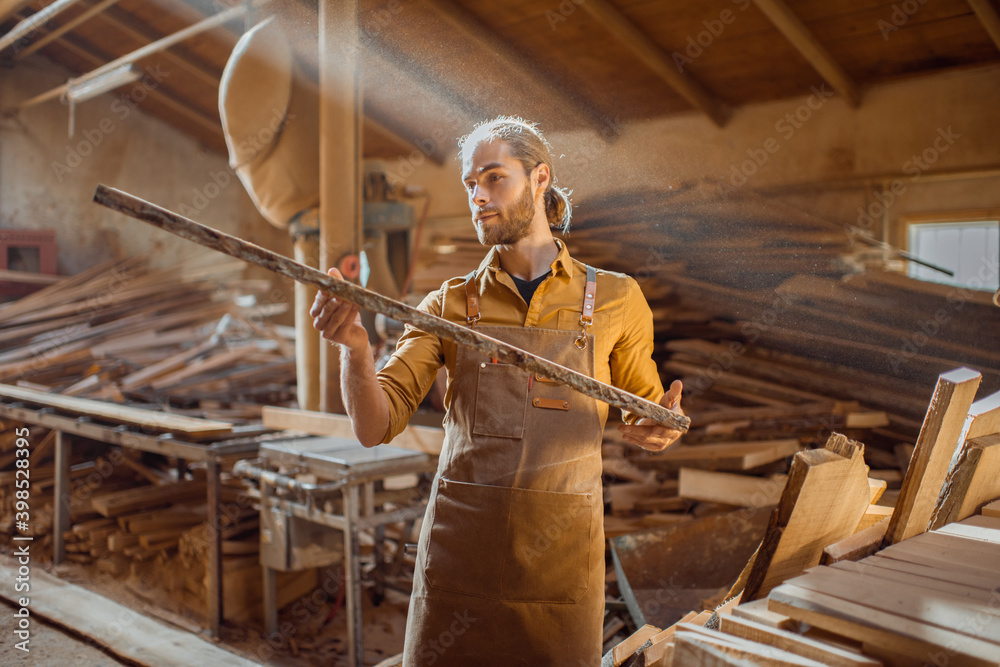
(806, 44)
(656, 59)
(10, 7)
(64, 28)
(989, 17)
(469, 26)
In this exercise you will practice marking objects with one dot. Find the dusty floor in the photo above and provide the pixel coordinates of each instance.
(314, 628)
(48, 645)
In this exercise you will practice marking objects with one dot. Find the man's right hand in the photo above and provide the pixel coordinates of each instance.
(337, 320)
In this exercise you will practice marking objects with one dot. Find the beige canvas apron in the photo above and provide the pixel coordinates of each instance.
(510, 564)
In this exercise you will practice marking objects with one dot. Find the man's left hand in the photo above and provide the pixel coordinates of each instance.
(653, 436)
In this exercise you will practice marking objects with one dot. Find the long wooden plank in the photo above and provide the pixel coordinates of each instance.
(884, 575)
(729, 488)
(986, 581)
(914, 639)
(158, 421)
(824, 652)
(984, 417)
(427, 439)
(120, 630)
(942, 609)
(977, 527)
(463, 335)
(859, 545)
(727, 456)
(693, 646)
(825, 497)
(120, 502)
(933, 452)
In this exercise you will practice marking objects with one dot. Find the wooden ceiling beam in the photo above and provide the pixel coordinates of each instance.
(806, 44)
(10, 7)
(656, 59)
(64, 28)
(470, 27)
(206, 124)
(989, 17)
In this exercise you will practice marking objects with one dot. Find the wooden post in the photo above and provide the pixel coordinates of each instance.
(340, 212)
(307, 339)
(214, 564)
(60, 521)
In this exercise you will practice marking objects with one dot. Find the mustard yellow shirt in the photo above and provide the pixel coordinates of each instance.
(622, 329)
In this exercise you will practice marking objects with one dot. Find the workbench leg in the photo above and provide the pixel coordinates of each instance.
(270, 587)
(379, 548)
(182, 467)
(352, 570)
(214, 564)
(60, 521)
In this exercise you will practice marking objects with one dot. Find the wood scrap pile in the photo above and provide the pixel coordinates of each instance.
(178, 339)
(831, 584)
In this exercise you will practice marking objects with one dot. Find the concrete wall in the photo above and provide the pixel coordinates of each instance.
(903, 131)
(47, 179)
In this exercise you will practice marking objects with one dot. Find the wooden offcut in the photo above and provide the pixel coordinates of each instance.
(933, 452)
(730, 489)
(973, 482)
(211, 238)
(191, 427)
(825, 497)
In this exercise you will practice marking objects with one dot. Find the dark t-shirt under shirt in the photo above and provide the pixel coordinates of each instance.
(527, 287)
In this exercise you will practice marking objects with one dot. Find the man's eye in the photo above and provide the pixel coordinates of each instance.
(494, 177)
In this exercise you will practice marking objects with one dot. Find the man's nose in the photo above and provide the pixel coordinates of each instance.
(479, 197)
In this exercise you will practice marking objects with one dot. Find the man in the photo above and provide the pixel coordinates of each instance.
(510, 561)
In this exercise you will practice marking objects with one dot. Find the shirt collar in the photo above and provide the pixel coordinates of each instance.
(562, 261)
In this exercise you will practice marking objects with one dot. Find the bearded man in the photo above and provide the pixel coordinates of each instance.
(510, 563)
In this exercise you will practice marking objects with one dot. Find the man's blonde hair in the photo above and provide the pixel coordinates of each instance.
(529, 147)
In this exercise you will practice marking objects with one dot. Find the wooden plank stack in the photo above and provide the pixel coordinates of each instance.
(890, 592)
(124, 332)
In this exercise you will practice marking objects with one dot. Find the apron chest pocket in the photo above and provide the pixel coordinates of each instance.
(501, 401)
(515, 545)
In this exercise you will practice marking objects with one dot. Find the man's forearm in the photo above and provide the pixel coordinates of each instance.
(363, 396)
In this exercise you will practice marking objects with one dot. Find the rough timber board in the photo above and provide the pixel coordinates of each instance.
(900, 635)
(946, 610)
(426, 439)
(826, 653)
(117, 628)
(159, 421)
(984, 482)
(731, 456)
(933, 452)
(984, 417)
(826, 495)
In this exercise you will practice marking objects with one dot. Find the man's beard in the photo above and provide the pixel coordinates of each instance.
(511, 223)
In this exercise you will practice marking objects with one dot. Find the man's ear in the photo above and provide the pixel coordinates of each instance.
(541, 176)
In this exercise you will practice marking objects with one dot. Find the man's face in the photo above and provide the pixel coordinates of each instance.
(501, 196)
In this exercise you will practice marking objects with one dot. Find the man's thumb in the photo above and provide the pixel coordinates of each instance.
(672, 399)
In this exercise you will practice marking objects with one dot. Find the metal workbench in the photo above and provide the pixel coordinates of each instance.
(215, 454)
(352, 475)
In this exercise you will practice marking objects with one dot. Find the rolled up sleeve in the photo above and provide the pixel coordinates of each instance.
(632, 366)
(411, 370)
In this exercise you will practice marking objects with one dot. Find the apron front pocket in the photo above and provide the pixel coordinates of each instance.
(501, 401)
(466, 545)
(549, 547)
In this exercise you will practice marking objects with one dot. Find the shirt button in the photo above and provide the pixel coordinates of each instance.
(483, 365)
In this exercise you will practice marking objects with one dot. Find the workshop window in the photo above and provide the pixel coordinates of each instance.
(969, 248)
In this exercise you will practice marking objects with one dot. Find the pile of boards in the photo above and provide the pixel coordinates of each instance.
(175, 339)
(831, 583)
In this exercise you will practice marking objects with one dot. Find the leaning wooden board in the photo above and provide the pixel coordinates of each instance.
(191, 427)
(463, 335)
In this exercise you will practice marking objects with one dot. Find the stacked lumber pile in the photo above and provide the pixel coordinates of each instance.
(834, 583)
(177, 339)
